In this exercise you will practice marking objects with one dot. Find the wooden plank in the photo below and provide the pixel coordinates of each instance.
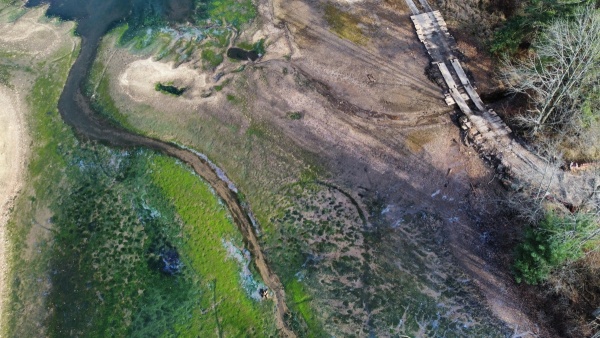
(464, 107)
(412, 6)
(465, 81)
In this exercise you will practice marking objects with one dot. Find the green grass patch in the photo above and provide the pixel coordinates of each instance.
(257, 130)
(232, 98)
(258, 47)
(220, 87)
(245, 45)
(211, 58)
(98, 88)
(300, 303)
(206, 224)
(112, 229)
(344, 24)
(294, 115)
(5, 75)
(234, 12)
(169, 89)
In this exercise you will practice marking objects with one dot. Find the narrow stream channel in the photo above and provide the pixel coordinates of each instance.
(95, 18)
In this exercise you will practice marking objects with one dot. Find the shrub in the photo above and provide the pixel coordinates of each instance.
(294, 115)
(556, 241)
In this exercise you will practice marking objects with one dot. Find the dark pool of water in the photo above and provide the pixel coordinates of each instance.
(95, 16)
(241, 54)
(168, 89)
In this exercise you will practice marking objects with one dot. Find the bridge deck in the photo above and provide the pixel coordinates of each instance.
(487, 129)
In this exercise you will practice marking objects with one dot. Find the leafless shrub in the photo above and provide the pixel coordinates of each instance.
(561, 78)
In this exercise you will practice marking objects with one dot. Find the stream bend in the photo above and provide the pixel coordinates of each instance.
(76, 111)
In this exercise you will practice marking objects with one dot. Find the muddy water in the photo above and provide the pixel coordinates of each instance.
(95, 18)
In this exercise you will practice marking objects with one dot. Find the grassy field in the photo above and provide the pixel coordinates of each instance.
(208, 232)
(122, 211)
(345, 25)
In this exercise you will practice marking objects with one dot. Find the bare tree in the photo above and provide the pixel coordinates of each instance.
(561, 76)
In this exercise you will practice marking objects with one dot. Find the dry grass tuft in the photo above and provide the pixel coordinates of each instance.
(344, 24)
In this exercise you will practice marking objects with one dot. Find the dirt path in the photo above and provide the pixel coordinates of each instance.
(13, 155)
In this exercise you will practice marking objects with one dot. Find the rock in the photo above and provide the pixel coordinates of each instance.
(264, 293)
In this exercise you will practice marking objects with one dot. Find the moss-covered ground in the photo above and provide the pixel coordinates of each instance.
(344, 24)
(212, 26)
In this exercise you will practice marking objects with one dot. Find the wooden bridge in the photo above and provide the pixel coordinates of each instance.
(484, 127)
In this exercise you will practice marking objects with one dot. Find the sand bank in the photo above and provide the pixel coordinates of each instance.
(13, 155)
(139, 79)
(33, 34)
(29, 39)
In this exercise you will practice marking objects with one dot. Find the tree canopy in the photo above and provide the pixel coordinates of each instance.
(531, 17)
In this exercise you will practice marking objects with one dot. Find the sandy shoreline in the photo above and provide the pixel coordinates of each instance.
(13, 157)
(32, 38)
